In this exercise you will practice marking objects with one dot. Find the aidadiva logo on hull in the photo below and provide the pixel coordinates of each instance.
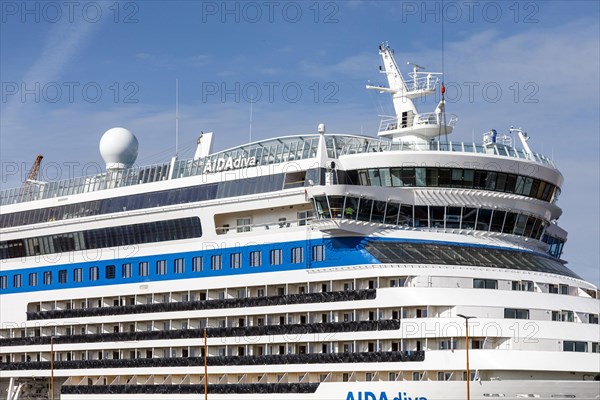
(381, 396)
(225, 164)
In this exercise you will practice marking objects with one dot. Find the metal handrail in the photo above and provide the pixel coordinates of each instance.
(282, 223)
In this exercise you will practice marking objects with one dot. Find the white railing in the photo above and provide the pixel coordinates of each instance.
(424, 82)
(282, 223)
(435, 119)
(388, 124)
(378, 145)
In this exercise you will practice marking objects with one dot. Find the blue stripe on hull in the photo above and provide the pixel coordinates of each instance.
(340, 251)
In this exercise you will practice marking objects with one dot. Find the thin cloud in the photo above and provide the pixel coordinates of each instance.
(64, 41)
(359, 65)
(170, 61)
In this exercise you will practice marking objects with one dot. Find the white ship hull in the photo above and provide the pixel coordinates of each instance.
(309, 267)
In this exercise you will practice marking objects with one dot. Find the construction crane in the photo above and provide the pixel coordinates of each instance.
(32, 177)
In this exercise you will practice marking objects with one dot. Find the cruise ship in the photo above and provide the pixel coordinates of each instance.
(398, 266)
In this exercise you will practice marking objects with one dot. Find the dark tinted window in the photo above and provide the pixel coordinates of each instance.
(432, 253)
(158, 231)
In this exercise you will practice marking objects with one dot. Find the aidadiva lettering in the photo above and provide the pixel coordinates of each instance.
(382, 396)
(225, 164)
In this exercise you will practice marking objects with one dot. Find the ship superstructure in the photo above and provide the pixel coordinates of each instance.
(317, 266)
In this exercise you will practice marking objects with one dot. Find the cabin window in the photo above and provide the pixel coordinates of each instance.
(318, 253)
(215, 262)
(304, 217)
(567, 316)
(235, 260)
(179, 266)
(126, 270)
(525, 286)
(580, 347)
(62, 276)
(297, 255)
(276, 257)
(197, 264)
(244, 224)
(143, 268)
(485, 284)
(516, 313)
(110, 272)
(161, 267)
(33, 279)
(563, 289)
(94, 273)
(255, 258)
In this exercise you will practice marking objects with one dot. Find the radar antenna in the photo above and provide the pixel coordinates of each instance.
(416, 69)
(176, 117)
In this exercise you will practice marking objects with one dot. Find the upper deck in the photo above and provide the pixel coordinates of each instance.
(261, 153)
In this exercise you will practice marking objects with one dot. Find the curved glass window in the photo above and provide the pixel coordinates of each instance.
(452, 178)
(555, 245)
(398, 252)
(437, 217)
(211, 191)
(158, 231)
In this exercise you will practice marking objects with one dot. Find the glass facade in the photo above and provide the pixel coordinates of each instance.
(480, 256)
(255, 154)
(239, 187)
(555, 245)
(437, 217)
(126, 235)
(452, 178)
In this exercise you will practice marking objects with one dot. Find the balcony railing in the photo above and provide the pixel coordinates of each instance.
(175, 389)
(279, 359)
(239, 331)
(300, 298)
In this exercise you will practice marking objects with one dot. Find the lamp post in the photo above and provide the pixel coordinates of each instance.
(205, 367)
(52, 367)
(467, 318)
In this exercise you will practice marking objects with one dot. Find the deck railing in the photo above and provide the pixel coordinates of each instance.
(265, 153)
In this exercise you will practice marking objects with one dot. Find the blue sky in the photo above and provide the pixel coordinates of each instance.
(68, 75)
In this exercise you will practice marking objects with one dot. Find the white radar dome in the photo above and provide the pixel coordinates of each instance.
(119, 148)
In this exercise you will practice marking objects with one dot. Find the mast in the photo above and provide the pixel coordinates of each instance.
(408, 124)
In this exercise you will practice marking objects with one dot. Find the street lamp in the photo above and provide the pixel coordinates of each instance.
(467, 318)
(52, 367)
(205, 367)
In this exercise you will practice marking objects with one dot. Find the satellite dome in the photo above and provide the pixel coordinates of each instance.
(119, 148)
